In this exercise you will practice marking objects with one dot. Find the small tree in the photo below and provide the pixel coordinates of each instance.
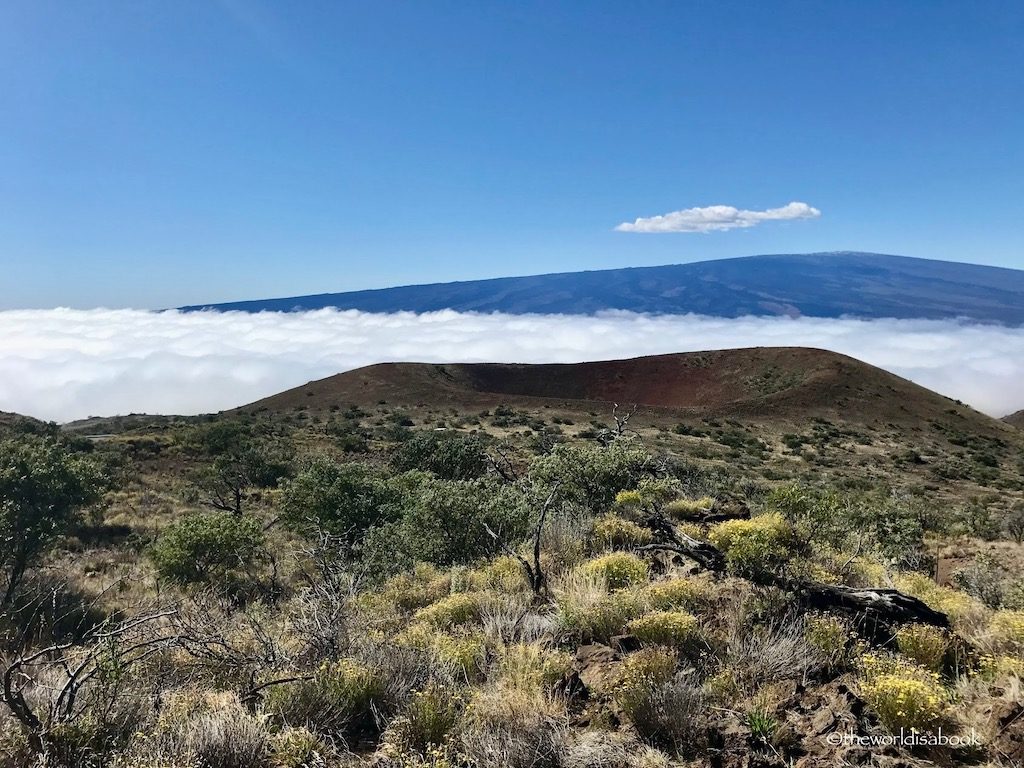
(242, 459)
(345, 500)
(1015, 522)
(43, 486)
(450, 456)
(208, 548)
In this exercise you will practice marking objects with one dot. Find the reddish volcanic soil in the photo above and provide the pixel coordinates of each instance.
(763, 383)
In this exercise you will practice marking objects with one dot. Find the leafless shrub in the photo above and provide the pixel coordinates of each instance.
(514, 618)
(769, 652)
(562, 540)
(79, 696)
(673, 715)
(609, 749)
(213, 731)
(512, 728)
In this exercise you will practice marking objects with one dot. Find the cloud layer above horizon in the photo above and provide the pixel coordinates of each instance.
(717, 218)
(67, 364)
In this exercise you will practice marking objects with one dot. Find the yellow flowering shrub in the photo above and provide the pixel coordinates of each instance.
(465, 650)
(642, 672)
(299, 748)
(613, 532)
(681, 509)
(418, 588)
(529, 666)
(926, 645)
(903, 694)
(762, 542)
(628, 499)
(992, 667)
(503, 574)
(452, 611)
(828, 635)
(957, 605)
(618, 569)
(600, 616)
(1007, 628)
(678, 592)
(671, 628)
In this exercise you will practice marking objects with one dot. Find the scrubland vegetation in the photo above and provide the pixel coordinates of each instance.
(516, 591)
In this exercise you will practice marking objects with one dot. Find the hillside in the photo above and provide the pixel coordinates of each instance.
(817, 284)
(1016, 419)
(8, 420)
(763, 384)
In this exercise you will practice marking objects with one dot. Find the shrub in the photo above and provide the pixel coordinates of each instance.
(420, 587)
(671, 628)
(682, 509)
(984, 579)
(530, 667)
(592, 475)
(926, 645)
(300, 748)
(344, 499)
(612, 532)
(464, 652)
(618, 569)
(208, 548)
(903, 694)
(959, 606)
(503, 574)
(451, 611)
(337, 701)
(443, 522)
(1007, 628)
(678, 592)
(587, 611)
(43, 486)
(753, 546)
(640, 674)
(829, 636)
(427, 721)
(448, 455)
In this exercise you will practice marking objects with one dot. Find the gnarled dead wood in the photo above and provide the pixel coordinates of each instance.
(884, 607)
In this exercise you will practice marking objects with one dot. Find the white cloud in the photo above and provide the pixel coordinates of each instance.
(717, 218)
(65, 364)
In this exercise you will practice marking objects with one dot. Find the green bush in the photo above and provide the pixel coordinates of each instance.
(593, 475)
(43, 486)
(451, 611)
(210, 548)
(926, 645)
(671, 628)
(618, 569)
(345, 499)
(339, 700)
(444, 521)
(757, 545)
(613, 532)
(448, 455)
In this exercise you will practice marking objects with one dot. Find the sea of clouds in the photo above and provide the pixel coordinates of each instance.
(66, 364)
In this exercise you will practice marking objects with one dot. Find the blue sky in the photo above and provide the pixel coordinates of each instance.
(156, 154)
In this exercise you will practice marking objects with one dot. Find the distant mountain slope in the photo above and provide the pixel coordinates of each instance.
(763, 384)
(1016, 419)
(816, 284)
(8, 420)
